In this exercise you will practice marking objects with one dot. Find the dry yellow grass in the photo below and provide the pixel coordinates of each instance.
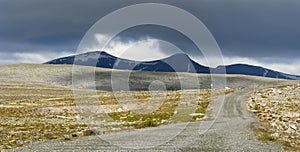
(34, 113)
(37, 103)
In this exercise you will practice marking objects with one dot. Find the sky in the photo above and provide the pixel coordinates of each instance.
(264, 33)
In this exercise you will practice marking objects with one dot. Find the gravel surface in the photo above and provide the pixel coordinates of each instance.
(230, 130)
(279, 109)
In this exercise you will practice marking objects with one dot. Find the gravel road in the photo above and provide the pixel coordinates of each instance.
(230, 130)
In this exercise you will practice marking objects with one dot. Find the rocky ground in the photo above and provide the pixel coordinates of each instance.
(31, 113)
(37, 103)
(228, 128)
(278, 109)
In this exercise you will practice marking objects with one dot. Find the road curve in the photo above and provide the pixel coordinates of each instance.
(227, 130)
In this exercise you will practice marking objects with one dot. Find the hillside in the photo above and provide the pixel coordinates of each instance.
(178, 62)
(61, 75)
(37, 102)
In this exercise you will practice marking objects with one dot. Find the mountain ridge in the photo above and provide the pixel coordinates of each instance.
(175, 63)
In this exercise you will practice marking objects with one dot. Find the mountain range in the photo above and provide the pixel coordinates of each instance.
(178, 62)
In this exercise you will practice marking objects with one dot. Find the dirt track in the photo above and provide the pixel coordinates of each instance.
(230, 130)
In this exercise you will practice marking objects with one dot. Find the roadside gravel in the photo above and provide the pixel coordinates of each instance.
(230, 130)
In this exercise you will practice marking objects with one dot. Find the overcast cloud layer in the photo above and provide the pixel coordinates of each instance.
(256, 32)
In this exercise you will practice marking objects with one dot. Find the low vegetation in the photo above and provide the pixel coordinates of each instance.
(264, 136)
(24, 118)
(279, 111)
(32, 113)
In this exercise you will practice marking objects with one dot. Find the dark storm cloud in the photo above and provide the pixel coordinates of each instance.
(50, 25)
(160, 32)
(248, 28)
(257, 28)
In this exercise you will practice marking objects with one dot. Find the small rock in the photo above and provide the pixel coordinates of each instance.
(67, 137)
(97, 131)
(273, 124)
(196, 114)
(294, 126)
(279, 91)
(285, 119)
(164, 121)
(254, 111)
(119, 110)
(289, 131)
(276, 135)
(115, 129)
(36, 137)
(18, 142)
(80, 133)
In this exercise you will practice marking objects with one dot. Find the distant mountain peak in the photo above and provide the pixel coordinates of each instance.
(178, 62)
(95, 53)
